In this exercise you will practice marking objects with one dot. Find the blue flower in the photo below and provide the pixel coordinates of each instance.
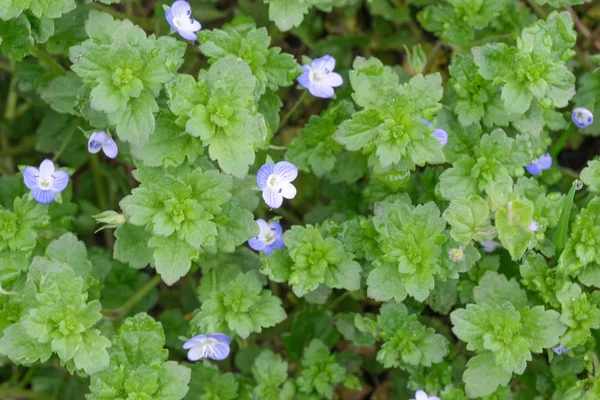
(179, 16)
(440, 134)
(275, 182)
(215, 346)
(269, 237)
(45, 182)
(582, 117)
(560, 350)
(539, 164)
(319, 77)
(421, 395)
(489, 245)
(100, 140)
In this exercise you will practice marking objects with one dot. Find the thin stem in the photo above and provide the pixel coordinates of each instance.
(6, 67)
(49, 61)
(538, 9)
(27, 377)
(101, 193)
(25, 146)
(557, 147)
(133, 300)
(433, 56)
(338, 300)
(291, 112)
(9, 116)
(64, 145)
(6, 393)
(213, 275)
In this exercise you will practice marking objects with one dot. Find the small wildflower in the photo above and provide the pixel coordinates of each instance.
(560, 350)
(439, 134)
(110, 219)
(489, 245)
(275, 182)
(179, 16)
(421, 395)
(101, 140)
(582, 117)
(319, 77)
(533, 226)
(269, 237)
(45, 182)
(539, 164)
(215, 346)
(456, 254)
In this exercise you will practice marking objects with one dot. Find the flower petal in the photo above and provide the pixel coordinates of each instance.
(321, 91)
(193, 341)
(197, 352)
(333, 79)
(221, 337)
(304, 79)
(545, 161)
(189, 35)
(263, 226)
(43, 196)
(582, 117)
(110, 148)
(426, 122)
(325, 63)
(256, 244)
(60, 181)
(272, 198)
(288, 190)
(30, 177)
(286, 171)
(46, 169)
(263, 173)
(181, 8)
(420, 395)
(533, 169)
(276, 227)
(278, 243)
(441, 135)
(219, 351)
(169, 18)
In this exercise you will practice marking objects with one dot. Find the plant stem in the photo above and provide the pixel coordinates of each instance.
(101, 193)
(433, 56)
(6, 393)
(213, 276)
(49, 61)
(133, 300)
(538, 9)
(291, 112)
(9, 116)
(64, 145)
(338, 300)
(557, 147)
(273, 147)
(27, 377)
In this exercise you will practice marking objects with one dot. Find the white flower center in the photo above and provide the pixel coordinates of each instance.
(43, 183)
(268, 238)
(274, 182)
(179, 21)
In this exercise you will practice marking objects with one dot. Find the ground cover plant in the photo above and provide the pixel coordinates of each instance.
(299, 199)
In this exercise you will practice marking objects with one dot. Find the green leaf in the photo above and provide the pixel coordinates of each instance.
(469, 219)
(131, 246)
(17, 41)
(242, 307)
(172, 257)
(563, 223)
(68, 250)
(320, 372)
(407, 341)
(483, 376)
(270, 373)
(287, 13)
(319, 260)
(21, 225)
(590, 175)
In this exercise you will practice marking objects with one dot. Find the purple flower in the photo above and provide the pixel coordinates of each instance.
(582, 117)
(179, 16)
(275, 182)
(440, 134)
(100, 140)
(319, 77)
(533, 226)
(269, 237)
(489, 245)
(45, 182)
(539, 164)
(560, 350)
(215, 346)
(421, 395)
